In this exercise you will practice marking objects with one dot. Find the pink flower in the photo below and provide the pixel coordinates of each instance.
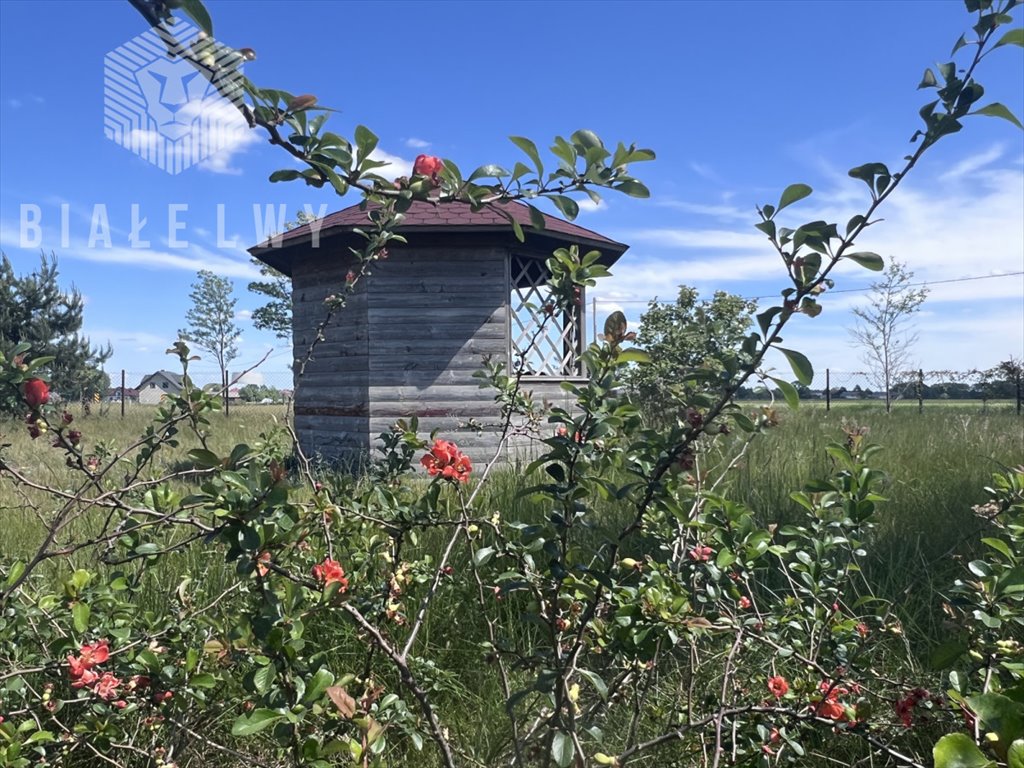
(36, 393)
(778, 686)
(330, 571)
(427, 165)
(106, 687)
(745, 602)
(701, 553)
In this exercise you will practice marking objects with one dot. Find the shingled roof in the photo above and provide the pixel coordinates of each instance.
(439, 218)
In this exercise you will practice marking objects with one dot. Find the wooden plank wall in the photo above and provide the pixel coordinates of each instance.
(434, 313)
(331, 397)
(408, 343)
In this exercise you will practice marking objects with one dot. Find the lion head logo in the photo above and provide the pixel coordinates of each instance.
(164, 109)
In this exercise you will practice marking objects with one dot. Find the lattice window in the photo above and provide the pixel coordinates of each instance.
(553, 350)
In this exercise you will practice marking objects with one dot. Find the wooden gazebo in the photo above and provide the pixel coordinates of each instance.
(417, 327)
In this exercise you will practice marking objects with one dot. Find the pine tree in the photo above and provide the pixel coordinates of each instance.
(212, 319)
(35, 310)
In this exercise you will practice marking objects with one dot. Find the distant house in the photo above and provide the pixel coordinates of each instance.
(130, 395)
(154, 387)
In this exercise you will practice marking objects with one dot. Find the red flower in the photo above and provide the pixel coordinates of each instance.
(862, 629)
(445, 459)
(138, 682)
(427, 165)
(106, 687)
(330, 571)
(701, 553)
(745, 602)
(36, 393)
(778, 686)
(830, 707)
(84, 678)
(94, 654)
(832, 710)
(261, 562)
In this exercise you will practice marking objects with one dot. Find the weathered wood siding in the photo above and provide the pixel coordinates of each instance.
(434, 313)
(407, 345)
(331, 394)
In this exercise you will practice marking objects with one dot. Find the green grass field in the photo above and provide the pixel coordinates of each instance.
(937, 462)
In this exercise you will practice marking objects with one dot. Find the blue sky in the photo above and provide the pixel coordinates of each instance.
(738, 100)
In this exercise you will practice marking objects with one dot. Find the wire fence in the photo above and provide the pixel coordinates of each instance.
(918, 388)
(255, 391)
(133, 390)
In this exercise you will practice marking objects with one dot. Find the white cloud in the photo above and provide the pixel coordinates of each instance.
(972, 163)
(697, 239)
(414, 143)
(705, 171)
(721, 212)
(398, 166)
(243, 314)
(589, 206)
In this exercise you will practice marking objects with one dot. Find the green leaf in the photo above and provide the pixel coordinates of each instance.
(1013, 37)
(633, 188)
(788, 392)
(792, 193)
(264, 677)
(80, 616)
(562, 749)
(202, 680)
(285, 175)
(567, 206)
(633, 355)
(959, 44)
(517, 229)
(995, 109)
(1000, 714)
(957, 750)
(15, 573)
(596, 681)
(802, 368)
(1015, 755)
(1001, 547)
(321, 680)
(198, 13)
(868, 260)
(947, 654)
(204, 459)
(255, 721)
(482, 555)
(366, 141)
(490, 171)
(928, 80)
(531, 151)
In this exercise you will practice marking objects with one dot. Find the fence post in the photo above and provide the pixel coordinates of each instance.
(122, 393)
(1020, 375)
(920, 390)
(828, 390)
(227, 394)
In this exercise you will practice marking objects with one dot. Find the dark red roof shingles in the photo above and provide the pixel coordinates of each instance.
(427, 216)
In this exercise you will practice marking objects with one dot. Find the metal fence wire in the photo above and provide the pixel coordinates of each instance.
(257, 390)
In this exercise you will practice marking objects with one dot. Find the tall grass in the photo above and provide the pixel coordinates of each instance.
(937, 462)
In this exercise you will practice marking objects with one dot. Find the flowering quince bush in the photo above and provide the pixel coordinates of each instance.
(243, 607)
